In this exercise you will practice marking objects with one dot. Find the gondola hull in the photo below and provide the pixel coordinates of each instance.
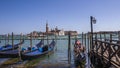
(14, 53)
(9, 54)
(35, 54)
(10, 47)
(38, 53)
(80, 60)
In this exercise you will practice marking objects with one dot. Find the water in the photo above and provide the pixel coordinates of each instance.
(62, 47)
(60, 55)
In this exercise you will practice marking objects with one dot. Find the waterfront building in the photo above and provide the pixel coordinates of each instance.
(54, 31)
(74, 33)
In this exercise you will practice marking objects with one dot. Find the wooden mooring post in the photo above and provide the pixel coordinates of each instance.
(100, 36)
(85, 40)
(31, 42)
(95, 41)
(82, 37)
(118, 35)
(5, 39)
(90, 39)
(55, 40)
(88, 42)
(8, 38)
(110, 38)
(104, 37)
(69, 48)
(19, 49)
(12, 40)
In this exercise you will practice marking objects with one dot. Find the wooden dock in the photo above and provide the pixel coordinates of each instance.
(105, 53)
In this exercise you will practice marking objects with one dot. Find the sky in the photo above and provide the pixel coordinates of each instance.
(25, 16)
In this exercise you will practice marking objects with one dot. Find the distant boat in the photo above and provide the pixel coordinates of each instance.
(39, 52)
(14, 53)
(10, 47)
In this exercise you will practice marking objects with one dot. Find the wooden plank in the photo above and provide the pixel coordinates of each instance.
(116, 64)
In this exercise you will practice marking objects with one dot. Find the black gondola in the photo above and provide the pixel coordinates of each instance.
(14, 53)
(38, 52)
(10, 47)
(79, 56)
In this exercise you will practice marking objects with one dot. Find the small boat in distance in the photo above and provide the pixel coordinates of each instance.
(38, 52)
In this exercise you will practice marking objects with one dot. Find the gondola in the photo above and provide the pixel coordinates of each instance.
(79, 58)
(10, 47)
(38, 52)
(15, 53)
